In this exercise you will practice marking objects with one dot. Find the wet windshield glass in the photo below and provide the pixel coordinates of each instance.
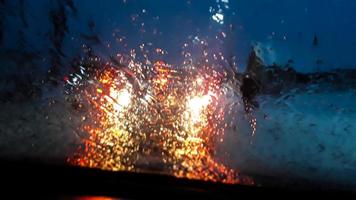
(223, 91)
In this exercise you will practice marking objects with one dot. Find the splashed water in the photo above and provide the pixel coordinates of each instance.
(153, 114)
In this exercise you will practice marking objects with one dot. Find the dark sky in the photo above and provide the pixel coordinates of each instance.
(281, 29)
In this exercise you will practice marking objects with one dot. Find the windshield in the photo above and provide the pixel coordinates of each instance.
(251, 92)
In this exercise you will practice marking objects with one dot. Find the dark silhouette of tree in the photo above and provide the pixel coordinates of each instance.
(22, 13)
(254, 65)
(58, 19)
(251, 81)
